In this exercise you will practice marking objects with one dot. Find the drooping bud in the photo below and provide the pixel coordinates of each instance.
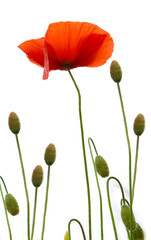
(139, 124)
(11, 204)
(66, 236)
(138, 233)
(14, 123)
(115, 71)
(50, 154)
(126, 217)
(37, 176)
(101, 166)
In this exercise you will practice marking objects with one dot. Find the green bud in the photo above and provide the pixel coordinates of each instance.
(101, 166)
(66, 236)
(11, 204)
(115, 71)
(139, 124)
(126, 217)
(37, 176)
(14, 123)
(50, 154)
(138, 233)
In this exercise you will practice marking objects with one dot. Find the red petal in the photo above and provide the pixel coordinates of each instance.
(79, 44)
(34, 50)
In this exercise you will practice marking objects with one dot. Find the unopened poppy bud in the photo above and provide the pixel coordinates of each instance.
(115, 71)
(101, 166)
(50, 154)
(37, 176)
(14, 123)
(138, 233)
(126, 217)
(139, 124)
(66, 236)
(11, 204)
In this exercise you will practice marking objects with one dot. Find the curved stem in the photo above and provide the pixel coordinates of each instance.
(84, 153)
(46, 201)
(9, 229)
(25, 185)
(34, 213)
(100, 197)
(90, 139)
(80, 227)
(109, 201)
(129, 150)
(4, 184)
(135, 168)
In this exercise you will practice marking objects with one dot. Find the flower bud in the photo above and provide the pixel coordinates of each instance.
(50, 154)
(11, 204)
(138, 233)
(126, 217)
(37, 176)
(115, 71)
(14, 123)
(139, 124)
(101, 166)
(66, 236)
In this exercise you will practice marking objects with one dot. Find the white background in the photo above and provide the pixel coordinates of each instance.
(48, 111)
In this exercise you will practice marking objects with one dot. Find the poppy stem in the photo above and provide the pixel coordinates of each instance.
(9, 229)
(4, 184)
(46, 201)
(129, 150)
(34, 213)
(135, 168)
(25, 185)
(80, 227)
(100, 196)
(84, 153)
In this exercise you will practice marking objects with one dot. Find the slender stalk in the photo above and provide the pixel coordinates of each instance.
(109, 202)
(80, 227)
(100, 196)
(129, 150)
(25, 185)
(9, 229)
(34, 213)
(46, 201)
(135, 168)
(4, 184)
(84, 154)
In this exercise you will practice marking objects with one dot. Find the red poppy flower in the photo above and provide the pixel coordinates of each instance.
(76, 44)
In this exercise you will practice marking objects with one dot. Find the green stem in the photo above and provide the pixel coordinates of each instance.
(25, 185)
(135, 168)
(84, 154)
(34, 213)
(9, 229)
(4, 184)
(46, 201)
(80, 227)
(129, 150)
(100, 197)
(109, 202)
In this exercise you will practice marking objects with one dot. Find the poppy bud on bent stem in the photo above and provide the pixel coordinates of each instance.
(139, 124)
(11, 204)
(126, 217)
(138, 233)
(37, 176)
(66, 236)
(115, 71)
(101, 166)
(50, 154)
(14, 123)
